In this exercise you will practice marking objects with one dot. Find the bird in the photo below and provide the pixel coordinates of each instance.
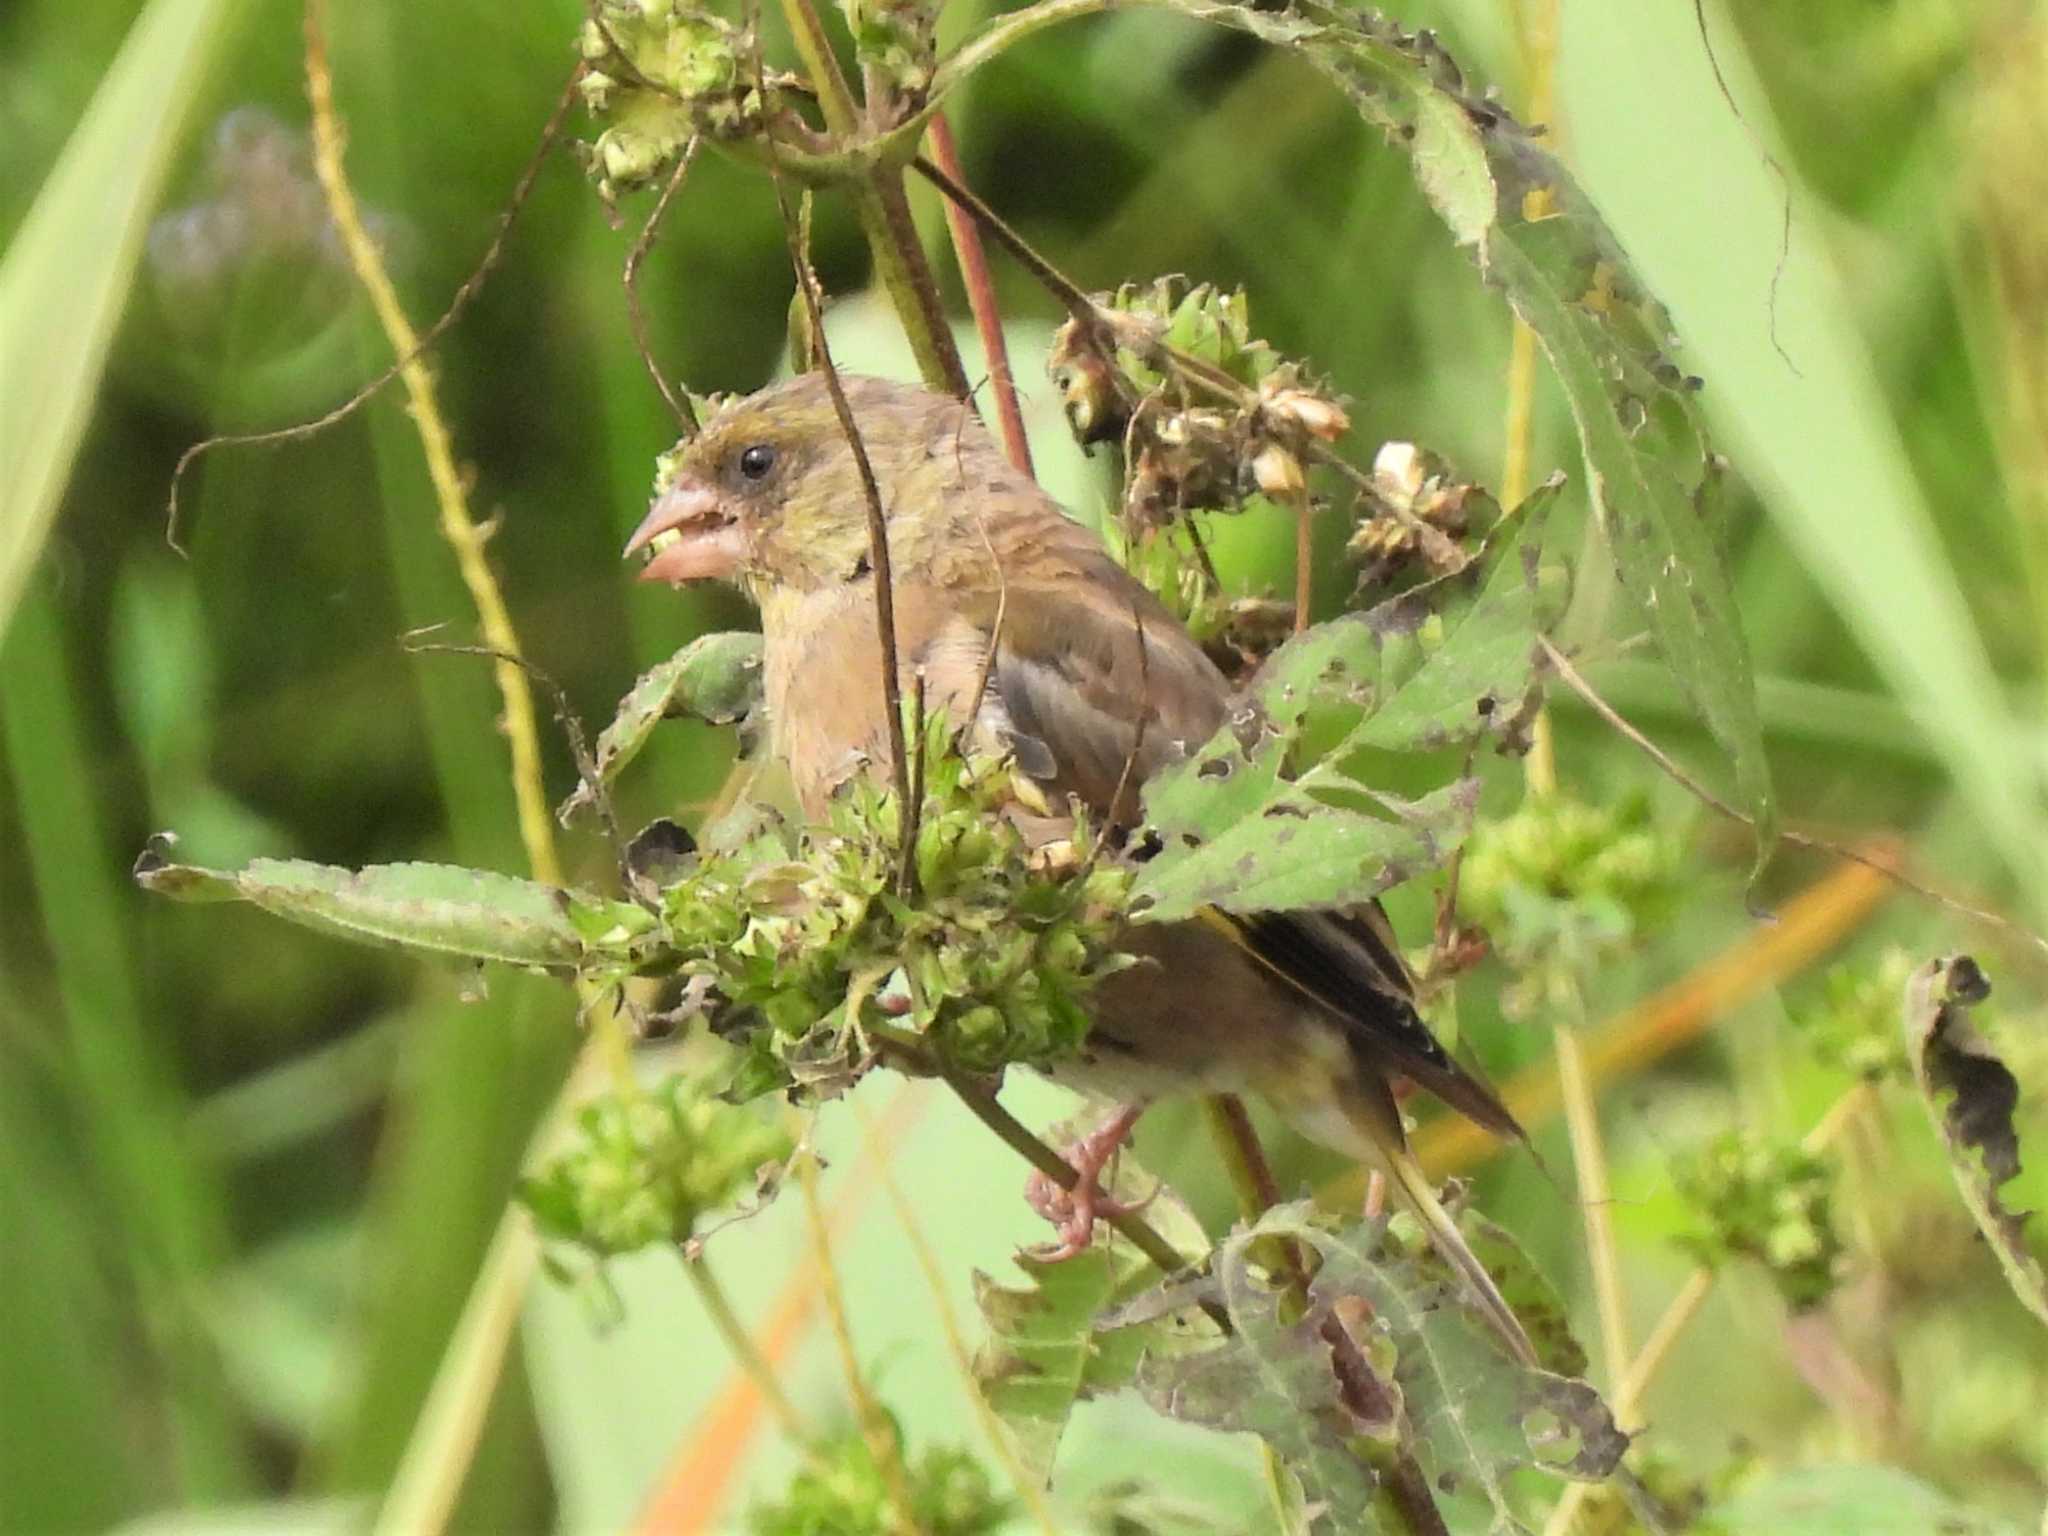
(1025, 627)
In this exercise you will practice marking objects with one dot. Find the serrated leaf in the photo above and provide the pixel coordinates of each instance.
(1952, 1063)
(441, 908)
(1044, 1351)
(716, 678)
(1468, 1413)
(1651, 470)
(1444, 665)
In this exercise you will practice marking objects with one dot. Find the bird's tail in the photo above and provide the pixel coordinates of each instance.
(1412, 1186)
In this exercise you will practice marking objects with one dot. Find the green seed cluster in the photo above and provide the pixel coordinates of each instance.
(807, 941)
(645, 1164)
(841, 1491)
(660, 73)
(1768, 1201)
(1854, 1026)
(1560, 884)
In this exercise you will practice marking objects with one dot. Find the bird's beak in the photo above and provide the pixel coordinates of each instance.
(688, 536)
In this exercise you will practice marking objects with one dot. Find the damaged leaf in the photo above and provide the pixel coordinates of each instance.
(1652, 473)
(1447, 664)
(1045, 1350)
(1388, 1349)
(442, 908)
(715, 678)
(1952, 1062)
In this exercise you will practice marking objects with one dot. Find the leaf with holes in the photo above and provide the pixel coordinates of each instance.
(1388, 1349)
(1446, 665)
(1651, 470)
(1951, 1062)
(1046, 1350)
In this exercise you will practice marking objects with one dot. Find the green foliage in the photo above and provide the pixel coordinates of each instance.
(716, 678)
(660, 72)
(1046, 1349)
(1768, 1201)
(842, 1491)
(1847, 1499)
(804, 937)
(1386, 1355)
(646, 1164)
(1246, 825)
(1558, 884)
(1853, 1025)
(438, 908)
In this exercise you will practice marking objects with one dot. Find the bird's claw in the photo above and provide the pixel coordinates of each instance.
(1074, 1211)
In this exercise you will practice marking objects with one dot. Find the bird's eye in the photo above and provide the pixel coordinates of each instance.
(756, 461)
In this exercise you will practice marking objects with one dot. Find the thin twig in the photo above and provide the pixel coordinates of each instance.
(1028, 1486)
(1589, 1161)
(913, 805)
(407, 356)
(1634, 1382)
(1304, 559)
(871, 493)
(874, 1421)
(536, 827)
(1692, 786)
(685, 413)
(1699, 16)
(588, 774)
(981, 298)
(745, 1353)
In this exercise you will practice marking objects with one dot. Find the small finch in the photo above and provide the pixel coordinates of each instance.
(1018, 615)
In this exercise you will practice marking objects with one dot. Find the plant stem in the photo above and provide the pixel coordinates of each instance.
(718, 1307)
(1589, 1159)
(1633, 1383)
(874, 1422)
(536, 825)
(981, 298)
(1027, 1485)
(883, 210)
(1237, 1143)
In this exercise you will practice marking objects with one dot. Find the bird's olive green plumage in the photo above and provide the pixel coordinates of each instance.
(1016, 615)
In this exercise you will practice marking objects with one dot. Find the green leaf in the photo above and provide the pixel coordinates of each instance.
(439, 907)
(66, 274)
(1388, 1350)
(1952, 1062)
(1444, 665)
(1652, 474)
(1651, 470)
(715, 678)
(1045, 1351)
(1847, 1499)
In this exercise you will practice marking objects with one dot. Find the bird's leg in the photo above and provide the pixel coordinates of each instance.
(1073, 1212)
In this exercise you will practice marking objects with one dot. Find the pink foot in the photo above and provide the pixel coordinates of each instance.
(1073, 1212)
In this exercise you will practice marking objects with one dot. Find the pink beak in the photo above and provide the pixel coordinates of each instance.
(708, 543)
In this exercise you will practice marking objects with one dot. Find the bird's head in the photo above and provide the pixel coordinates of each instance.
(768, 494)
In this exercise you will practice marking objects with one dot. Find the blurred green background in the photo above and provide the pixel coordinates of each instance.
(248, 1175)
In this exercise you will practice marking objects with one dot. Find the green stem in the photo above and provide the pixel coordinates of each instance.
(745, 1353)
(883, 209)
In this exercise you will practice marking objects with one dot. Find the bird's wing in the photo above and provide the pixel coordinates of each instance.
(1080, 642)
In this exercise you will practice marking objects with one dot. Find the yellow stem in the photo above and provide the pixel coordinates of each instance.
(873, 1419)
(1028, 1486)
(1589, 1158)
(1635, 1382)
(494, 622)
(745, 1353)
